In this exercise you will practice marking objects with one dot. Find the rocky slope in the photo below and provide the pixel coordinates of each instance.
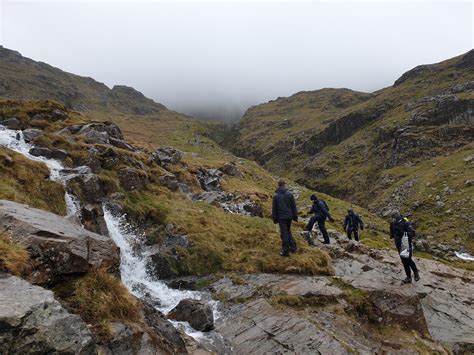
(362, 308)
(197, 216)
(408, 146)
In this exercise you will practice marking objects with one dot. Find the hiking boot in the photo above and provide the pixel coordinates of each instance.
(417, 276)
(284, 254)
(407, 281)
(294, 250)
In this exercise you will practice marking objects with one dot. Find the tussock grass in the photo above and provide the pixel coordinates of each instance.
(228, 242)
(100, 298)
(26, 181)
(13, 257)
(144, 206)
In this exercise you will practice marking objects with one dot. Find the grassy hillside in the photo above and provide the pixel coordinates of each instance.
(220, 242)
(399, 147)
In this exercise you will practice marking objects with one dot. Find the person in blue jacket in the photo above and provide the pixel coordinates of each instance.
(284, 211)
(352, 223)
(321, 213)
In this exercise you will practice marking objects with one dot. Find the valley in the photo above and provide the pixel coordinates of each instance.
(114, 209)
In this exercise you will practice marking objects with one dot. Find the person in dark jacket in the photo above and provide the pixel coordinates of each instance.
(352, 223)
(284, 212)
(321, 213)
(399, 226)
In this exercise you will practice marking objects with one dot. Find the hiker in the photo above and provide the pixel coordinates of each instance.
(284, 212)
(399, 228)
(352, 223)
(321, 212)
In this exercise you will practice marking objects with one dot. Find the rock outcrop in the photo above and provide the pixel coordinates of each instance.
(197, 313)
(33, 322)
(345, 313)
(57, 246)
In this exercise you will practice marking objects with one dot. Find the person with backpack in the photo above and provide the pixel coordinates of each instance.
(402, 231)
(321, 213)
(284, 211)
(352, 223)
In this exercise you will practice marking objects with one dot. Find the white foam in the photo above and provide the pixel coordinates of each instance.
(465, 256)
(136, 278)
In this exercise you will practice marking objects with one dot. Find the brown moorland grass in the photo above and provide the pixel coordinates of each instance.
(26, 181)
(13, 257)
(100, 298)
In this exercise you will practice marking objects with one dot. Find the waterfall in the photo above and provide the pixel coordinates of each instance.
(139, 283)
(132, 264)
(14, 140)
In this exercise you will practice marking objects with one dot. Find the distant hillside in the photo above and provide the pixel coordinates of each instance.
(408, 146)
(23, 78)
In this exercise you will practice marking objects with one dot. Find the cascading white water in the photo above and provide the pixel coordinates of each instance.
(132, 266)
(465, 256)
(14, 140)
(135, 277)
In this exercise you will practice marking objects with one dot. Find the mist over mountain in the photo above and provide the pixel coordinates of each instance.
(215, 59)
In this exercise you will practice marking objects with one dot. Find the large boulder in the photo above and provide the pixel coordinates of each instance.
(33, 322)
(197, 313)
(57, 246)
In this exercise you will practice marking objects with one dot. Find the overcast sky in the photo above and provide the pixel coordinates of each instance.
(218, 58)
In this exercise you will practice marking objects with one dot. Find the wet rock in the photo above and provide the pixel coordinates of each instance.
(88, 187)
(12, 123)
(231, 169)
(57, 154)
(166, 156)
(33, 322)
(30, 134)
(210, 179)
(197, 313)
(172, 341)
(57, 247)
(92, 218)
(170, 182)
(70, 173)
(132, 179)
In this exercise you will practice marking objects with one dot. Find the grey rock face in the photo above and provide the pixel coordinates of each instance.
(111, 129)
(170, 182)
(90, 187)
(33, 322)
(57, 247)
(210, 179)
(12, 123)
(197, 313)
(132, 179)
(57, 154)
(30, 134)
(167, 156)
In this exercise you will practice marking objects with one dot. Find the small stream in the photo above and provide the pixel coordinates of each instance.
(14, 140)
(132, 266)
